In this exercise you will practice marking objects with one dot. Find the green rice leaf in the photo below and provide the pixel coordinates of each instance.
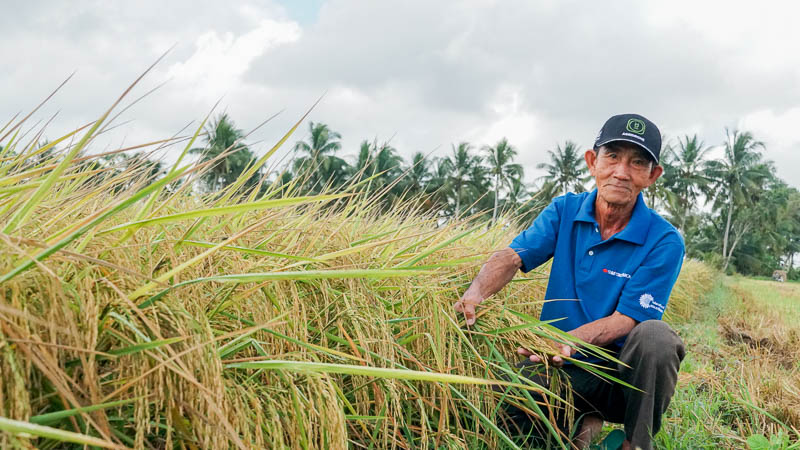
(251, 251)
(145, 346)
(486, 421)
(298, 275)
(18, 427)
(222, 210)
(91, 224)
(437, 247)
(49, 418)
(377, 372)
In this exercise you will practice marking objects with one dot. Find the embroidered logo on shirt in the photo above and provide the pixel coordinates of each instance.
(647, 301)
(617, 274)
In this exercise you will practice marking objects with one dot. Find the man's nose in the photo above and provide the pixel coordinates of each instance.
(622, 170)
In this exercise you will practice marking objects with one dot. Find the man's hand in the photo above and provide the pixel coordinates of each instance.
(466, 304)
(565, 351)
(599, 332)
(496, 273)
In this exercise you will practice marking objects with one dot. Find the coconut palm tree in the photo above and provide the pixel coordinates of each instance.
(384, 164)
(688, 178)
(518, 194)
(222, 136)
(438, 186)
(317, 160)
(501, 169)
(736, 177)
(566, 168)
(663, 190)
(522, 200)
(465, 174)
(546, 193)
(419, 175)
(387, 163)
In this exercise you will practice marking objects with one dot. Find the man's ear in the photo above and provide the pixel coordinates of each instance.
(591, 159)
(655, 173)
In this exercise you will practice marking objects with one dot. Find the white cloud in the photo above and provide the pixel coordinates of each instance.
(220, 59)
(778, 131)
(509, 119)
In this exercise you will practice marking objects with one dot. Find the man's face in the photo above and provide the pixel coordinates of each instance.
(621, 170)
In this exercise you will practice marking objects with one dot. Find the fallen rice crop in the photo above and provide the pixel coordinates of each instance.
(136, 313)
(695, 281)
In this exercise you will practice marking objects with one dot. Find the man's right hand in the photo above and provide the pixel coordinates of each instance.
(467, 304)
(496, 273)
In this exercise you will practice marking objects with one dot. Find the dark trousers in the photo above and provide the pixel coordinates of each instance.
(653, 352)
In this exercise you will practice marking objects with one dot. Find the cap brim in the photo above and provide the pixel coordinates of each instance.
(598, 144)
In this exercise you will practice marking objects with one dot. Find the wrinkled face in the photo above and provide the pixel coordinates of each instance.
(621, 170)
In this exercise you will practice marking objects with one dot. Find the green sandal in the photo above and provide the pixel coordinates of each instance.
(613, 441)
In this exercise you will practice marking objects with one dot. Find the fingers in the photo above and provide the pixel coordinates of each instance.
(531, 356)
(468, 309)
(558, 360)
(469, 313)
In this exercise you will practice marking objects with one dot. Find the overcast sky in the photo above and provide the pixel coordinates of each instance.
(422, 74)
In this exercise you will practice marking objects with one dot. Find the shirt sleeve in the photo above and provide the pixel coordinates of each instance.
(645, 295)
(538, 243)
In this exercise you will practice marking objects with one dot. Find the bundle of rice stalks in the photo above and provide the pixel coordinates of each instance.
(695, 281)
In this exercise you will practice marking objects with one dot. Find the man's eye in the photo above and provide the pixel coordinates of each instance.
(640, 163)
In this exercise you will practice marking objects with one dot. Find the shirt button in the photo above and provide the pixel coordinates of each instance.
(591, 253)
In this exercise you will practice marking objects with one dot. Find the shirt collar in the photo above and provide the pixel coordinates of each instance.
(586, 212)
(636, 229)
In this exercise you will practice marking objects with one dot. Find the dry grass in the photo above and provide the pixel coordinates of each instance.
(769, 351)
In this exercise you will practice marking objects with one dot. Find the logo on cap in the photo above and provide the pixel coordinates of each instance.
(635, 126)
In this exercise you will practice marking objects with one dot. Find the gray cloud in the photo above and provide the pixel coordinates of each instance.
(426, 74)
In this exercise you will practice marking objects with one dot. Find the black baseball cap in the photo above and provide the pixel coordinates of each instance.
(631, 128)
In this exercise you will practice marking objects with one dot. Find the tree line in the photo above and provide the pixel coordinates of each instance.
(733, 211)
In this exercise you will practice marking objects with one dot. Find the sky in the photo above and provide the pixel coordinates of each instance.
(421, 75)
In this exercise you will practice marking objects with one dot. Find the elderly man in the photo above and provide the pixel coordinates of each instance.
(615, 261)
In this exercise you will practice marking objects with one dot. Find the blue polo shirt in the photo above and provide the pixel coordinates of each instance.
(631, 272)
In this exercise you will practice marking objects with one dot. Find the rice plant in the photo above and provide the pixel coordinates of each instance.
(137, 313)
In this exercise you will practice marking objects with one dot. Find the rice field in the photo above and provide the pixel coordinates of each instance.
(137, 313)
(739, 386)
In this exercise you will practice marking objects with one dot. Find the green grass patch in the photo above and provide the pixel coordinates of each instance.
(783, 298)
